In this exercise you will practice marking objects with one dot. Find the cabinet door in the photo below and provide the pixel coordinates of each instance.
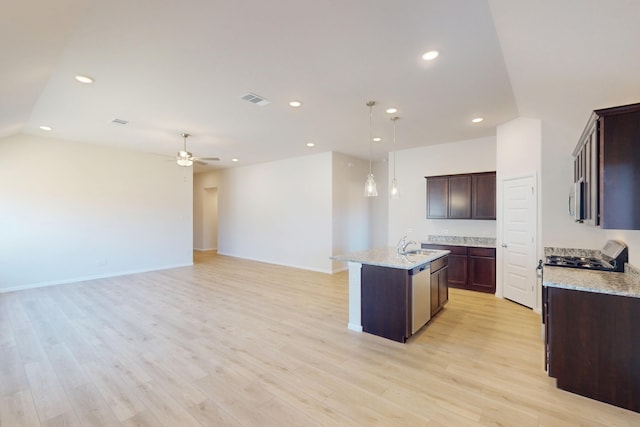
(437, 197)
(460, 196)
(443, 287)
(482, 270)
(619, 177)
(483, 196)
(435, 285)
(457, 271)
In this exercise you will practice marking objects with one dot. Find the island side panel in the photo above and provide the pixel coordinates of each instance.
(386, 302)
(355, 314)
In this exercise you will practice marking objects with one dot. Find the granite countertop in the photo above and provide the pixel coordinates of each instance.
(604, 282)
(480, 242)
(389, 257)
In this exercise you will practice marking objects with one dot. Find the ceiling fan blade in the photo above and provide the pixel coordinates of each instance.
(205, 158)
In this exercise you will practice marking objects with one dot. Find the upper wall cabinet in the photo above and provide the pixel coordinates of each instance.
(607, 169)
(483, 195)
(465, 196)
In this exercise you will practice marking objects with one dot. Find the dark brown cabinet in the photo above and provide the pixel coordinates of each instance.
(439, 285)
(592, 345)
(438, 197)
(607, 169)
(388, 298)
(470, 268)
(483, 196)
(465, 196)
(482, 269)
(460, 197)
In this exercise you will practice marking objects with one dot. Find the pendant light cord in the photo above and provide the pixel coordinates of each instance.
(370, 104)
(395, 146)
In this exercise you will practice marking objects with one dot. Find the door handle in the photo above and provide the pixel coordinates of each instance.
(504, 245)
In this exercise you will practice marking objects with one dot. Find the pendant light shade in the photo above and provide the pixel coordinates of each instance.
(394, 193)
(370, 189)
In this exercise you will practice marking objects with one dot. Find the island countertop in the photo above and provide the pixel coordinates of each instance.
(389, 257)
(604, 282)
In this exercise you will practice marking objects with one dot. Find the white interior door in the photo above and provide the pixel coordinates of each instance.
(519, 223)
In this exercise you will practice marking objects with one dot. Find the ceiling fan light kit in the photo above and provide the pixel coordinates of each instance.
(185, 158)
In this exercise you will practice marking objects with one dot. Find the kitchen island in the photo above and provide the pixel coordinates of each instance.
(391, 294)
(592, 331)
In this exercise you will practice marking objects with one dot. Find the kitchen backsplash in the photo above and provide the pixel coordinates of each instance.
(463, 240)
(587, 253)
(629, 269)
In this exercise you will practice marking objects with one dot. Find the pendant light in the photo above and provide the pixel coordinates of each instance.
(394, 193)
(370, 189)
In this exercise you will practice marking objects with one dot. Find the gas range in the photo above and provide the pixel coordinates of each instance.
(614, 255)
(578, 262)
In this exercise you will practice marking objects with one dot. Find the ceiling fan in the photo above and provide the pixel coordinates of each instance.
(185, 158)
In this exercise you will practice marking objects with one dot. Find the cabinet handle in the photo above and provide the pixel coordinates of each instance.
(504, 245)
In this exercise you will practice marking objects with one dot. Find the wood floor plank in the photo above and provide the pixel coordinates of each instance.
(233, 342)
(48, 395)
(18, 410)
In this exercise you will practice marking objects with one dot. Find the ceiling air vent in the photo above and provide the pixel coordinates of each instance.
(256, 99)
(119, 121)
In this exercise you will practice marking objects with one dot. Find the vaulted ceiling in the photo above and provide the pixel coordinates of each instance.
(168, 67)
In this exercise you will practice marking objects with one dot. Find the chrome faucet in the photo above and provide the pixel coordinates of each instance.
(403, 244)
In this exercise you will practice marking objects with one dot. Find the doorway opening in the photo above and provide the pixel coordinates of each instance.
(205, 220)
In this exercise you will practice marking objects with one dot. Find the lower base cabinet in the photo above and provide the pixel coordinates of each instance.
(592, 345)
(439, 285)
(472, 268)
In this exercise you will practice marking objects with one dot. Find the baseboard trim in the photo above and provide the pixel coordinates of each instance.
(87, 278)
(317, 270)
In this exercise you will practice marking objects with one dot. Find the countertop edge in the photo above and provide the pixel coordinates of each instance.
(602, 282)
(388, 257)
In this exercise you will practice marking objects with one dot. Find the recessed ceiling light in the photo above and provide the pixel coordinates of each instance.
(377, 139)
(295, 104)
(47, 128)
(477, 120)
(431, 55)
(234, 160)
(392, 110)
(84, 79)
(310, 144)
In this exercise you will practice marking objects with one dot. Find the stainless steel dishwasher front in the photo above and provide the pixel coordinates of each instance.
(420, 296)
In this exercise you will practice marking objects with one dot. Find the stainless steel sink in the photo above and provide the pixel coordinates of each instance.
(424, 252)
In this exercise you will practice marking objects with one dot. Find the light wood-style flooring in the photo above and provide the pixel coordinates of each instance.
(240, 343)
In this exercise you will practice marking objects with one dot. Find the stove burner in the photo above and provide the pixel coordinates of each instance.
(579, 262)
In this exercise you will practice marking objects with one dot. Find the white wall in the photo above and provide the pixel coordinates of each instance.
(518, 154)
(379, 206)
(278, 212)
(407, 215)
(205, 211)
(351, 218)
(71, 212)
(559, 229)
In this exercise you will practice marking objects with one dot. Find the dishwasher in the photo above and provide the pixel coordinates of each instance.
(420, 296)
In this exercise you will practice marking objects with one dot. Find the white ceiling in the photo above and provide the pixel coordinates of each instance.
(174, 66)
